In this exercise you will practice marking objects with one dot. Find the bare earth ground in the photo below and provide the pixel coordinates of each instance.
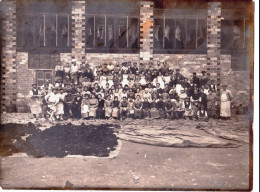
(140, 165)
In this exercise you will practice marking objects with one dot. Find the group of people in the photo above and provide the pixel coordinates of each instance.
(120, 91)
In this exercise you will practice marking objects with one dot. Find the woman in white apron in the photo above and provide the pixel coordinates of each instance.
(225, 103)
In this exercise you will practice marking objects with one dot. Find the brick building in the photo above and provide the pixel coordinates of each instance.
(192, 36)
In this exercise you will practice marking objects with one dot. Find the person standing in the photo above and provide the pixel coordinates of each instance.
(225, 103)
(35, 104)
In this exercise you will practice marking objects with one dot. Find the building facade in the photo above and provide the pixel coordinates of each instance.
(216, 37)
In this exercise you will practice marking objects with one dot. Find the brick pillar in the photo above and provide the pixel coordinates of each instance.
(78, 32)
(213, 43)
(146, 32)
(8, 57)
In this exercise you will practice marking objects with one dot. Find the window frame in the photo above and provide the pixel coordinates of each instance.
(116, 49)
(44, 71)
(45, 49)
(185, 14)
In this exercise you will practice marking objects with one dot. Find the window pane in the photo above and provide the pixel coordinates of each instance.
(169, 33)
(133, 33)
(122, 26)
(158, 33)
(48, 76)
(28, 31)
(202, 34)
(50, 31)
(226, 34)
(100, 31)
(179, 34)
(40, 75)
(191, 34)
(40, 82)
(110, 32)
(63, 32)
(238, 34)
(90, 32)
(39, 31)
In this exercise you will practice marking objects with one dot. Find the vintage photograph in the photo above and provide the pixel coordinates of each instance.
(127, 94)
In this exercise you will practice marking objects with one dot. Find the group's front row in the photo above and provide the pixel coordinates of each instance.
(59, 104)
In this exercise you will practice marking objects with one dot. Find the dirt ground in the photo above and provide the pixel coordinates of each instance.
(136, 166)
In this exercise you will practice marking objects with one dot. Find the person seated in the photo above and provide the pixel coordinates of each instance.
(93, 104)
(146, 108)
(161, 107)
(59, 71)
(131, 110)
(147, 95)
(35, 104)
(74, 70)
(108, 107)
(165, 95)
(123, 94)
(188, 112)
(124, 78)
(179, 108)
(76, 106)
(85, 106)
(138, 107)
(212, 105)
(134, 68)
(116, 109)
(154, 112)
(66, 78)
(182, 95)
(60, 104)
(169, 109)
(142, 81)
(124, 108)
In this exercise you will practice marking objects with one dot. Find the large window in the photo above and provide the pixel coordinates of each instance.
(43, 76)
(43, 61)
(180, 34)
(112, 33)
(39, 31)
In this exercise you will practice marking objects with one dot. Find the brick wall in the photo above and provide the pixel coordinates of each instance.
(8, 57)
(78, 31)
(146, 31)
(186, 63)
(213, 41)
(25, 79)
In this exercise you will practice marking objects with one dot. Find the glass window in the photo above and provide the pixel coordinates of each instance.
(50, 30)
(110, 32)
(100, 31)
(90, 32)
(63, 31)
(42, 76)
(226, 34)
(169, 33)
(158, 33)
(179, 34)
(201, 34)
(133, 33)
(191, 34)
(122, 32)
(39, 31)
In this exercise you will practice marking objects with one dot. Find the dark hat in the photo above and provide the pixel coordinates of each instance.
(203, 71)
(194, 73)
(33, 84)
(177, 69)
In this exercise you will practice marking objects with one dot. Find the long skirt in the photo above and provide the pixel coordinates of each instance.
(162, 113)
(35, 106)
(225, 109)
(154, 114)
(146, 113)
(108, 112)
(100, 113)
(115, 112)
(85, 111)
(138, 113)
(59, 109)
(92, 111)
(124, 112)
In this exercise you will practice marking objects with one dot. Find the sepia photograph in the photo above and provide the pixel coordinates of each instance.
(127, 94)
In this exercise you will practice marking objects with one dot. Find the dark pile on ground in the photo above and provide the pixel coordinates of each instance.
(59, 140)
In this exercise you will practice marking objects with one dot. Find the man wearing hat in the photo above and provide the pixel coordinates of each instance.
(195, 79)
(225, 103)
(35, 104)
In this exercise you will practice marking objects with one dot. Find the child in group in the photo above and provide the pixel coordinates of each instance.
(179, 108)
(138, 105)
